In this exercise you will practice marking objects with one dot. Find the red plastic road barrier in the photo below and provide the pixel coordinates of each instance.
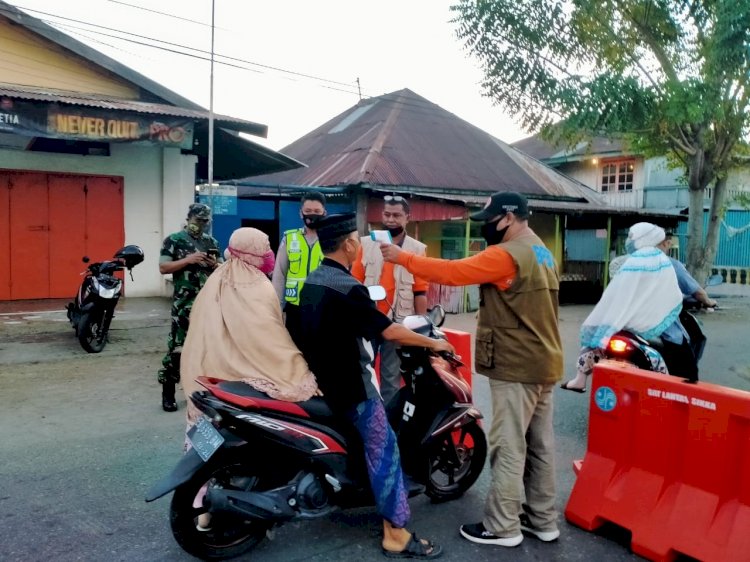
(670, 462)
(462, 342)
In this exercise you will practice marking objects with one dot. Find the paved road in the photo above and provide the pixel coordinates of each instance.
(83, 437)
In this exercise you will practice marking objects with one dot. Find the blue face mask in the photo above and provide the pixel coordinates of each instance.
(629, 246)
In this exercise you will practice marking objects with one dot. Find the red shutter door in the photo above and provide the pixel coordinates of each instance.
(4, 237)
(53, 220)
(105, 223)
(29, 236)
(67, 234)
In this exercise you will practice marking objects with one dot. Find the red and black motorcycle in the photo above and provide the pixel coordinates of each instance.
(256, 462)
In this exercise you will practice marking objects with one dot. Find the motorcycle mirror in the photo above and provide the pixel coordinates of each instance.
(85, 259)
(714, 280)
(377, 293)
(436, 315)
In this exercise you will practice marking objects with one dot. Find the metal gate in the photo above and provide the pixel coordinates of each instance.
(51, 220)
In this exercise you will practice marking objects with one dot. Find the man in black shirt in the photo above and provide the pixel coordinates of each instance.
(338, 324)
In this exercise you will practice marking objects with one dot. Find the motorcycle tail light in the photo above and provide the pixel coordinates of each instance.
(619, 346)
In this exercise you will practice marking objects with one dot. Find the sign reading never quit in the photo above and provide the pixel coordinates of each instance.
(78, 123)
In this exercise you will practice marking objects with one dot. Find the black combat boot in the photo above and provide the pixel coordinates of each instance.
(168, 402)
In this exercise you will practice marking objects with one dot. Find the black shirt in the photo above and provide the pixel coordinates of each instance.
(338, 322)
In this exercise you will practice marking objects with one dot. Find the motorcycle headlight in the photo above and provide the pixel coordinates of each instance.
(107, 293)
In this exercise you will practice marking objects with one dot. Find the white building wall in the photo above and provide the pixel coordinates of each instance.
(583, 171)
(738, 180)
(588, 173)
(159, 185)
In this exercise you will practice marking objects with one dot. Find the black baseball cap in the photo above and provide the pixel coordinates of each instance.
(503, 202)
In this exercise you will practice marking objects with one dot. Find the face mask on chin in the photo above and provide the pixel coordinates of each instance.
(491, 234)
(395, 231)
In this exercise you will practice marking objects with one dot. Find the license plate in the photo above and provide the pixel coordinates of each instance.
(205, 438)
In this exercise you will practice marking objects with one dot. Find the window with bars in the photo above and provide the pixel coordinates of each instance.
(617, 176)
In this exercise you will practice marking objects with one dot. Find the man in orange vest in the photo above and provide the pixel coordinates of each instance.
(405, 293)
(518, 347)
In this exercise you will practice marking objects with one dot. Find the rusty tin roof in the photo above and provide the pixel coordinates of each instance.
(403, 140)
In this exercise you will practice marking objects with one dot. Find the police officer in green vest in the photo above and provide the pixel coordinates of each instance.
(299, 254)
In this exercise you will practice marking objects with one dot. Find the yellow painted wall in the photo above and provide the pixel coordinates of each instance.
(27, 59)
(429, 231)
(544, 226)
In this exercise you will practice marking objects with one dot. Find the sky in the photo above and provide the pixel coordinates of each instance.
(298, 59)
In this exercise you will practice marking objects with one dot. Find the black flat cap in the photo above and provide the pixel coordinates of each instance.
(501, 203)
(331, 227)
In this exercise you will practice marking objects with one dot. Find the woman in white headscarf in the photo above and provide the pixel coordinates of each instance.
(236, 329)
(643, 297)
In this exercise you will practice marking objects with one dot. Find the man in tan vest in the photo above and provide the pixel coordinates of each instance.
(518, 347)
(405, 293)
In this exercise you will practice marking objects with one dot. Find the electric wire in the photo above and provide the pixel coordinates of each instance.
(171, 44)
(175, 16)
(421, 106)
(414, 104)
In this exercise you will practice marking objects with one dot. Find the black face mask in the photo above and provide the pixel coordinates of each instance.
(491, 234)
(395, 231)
(311, 220)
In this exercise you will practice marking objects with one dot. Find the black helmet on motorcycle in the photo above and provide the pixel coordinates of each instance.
(130, 255)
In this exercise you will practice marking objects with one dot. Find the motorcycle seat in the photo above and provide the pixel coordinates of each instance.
(316, 407)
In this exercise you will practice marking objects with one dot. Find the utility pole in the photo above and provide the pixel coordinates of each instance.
(211, 118)
(359, 89)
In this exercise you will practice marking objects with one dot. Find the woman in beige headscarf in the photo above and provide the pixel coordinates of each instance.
(236, 329)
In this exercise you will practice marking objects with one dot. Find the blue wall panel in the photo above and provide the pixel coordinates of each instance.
(583, 245)
(224, 225)
(289, 214)
(733, 251)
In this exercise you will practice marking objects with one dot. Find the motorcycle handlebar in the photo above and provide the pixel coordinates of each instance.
(452, 358)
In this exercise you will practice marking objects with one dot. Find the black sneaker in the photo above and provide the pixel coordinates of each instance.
(545, 536)
(476, 532)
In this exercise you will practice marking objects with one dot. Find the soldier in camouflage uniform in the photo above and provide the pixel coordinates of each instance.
(190, 256)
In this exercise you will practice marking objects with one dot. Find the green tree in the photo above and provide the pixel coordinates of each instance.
(670, 76)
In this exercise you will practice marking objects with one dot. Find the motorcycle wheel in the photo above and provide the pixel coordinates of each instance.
(456, 462)
(229, 536)
(89, 332)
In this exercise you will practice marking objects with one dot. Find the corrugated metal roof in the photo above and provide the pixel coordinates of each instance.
(403, 139)
(543, 150)
(117, 104)
(542, 204)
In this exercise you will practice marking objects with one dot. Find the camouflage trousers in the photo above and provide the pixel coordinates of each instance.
(170, 371)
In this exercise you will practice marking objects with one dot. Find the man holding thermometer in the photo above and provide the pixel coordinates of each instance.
(405, 293)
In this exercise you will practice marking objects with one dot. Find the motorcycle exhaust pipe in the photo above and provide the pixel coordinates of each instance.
(274, 505)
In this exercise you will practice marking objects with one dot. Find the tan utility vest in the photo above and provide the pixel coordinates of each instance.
(372, 260)
(518, 337)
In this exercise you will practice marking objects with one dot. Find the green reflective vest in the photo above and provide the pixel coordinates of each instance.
(302, 260)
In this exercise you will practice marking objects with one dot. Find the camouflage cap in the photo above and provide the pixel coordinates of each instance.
(200, 211)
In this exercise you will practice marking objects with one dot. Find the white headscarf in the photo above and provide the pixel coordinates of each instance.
(643, 297)
(645, 235)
